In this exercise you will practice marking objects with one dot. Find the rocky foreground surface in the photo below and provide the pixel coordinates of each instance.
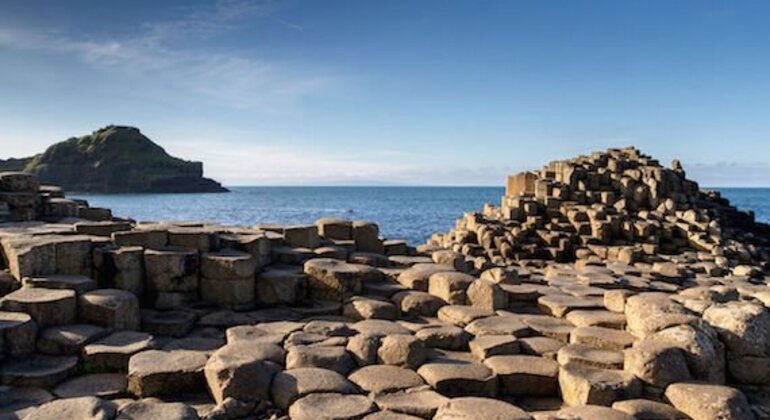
(603, 287)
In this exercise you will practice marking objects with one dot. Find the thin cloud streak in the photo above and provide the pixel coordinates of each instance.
(236, 79)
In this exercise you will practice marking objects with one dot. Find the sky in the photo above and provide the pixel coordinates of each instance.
(428, 92)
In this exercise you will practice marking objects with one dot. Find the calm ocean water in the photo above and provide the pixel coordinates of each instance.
(411, 213)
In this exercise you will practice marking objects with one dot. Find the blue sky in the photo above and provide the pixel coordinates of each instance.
(395, 92)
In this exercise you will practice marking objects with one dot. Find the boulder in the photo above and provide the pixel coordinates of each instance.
(416, 303)
(243, 370)
(744, 327)
(401, 350)
(656, 362)
(583, 385)
(706, 402)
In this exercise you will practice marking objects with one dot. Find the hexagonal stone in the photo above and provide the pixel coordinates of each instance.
(647, 409)
(486, 346)
(243, 370)
(447, 337)
(480, 408)
(419, 403)
(417, 303)
(114, 350)
(78, 283)
(498, 325)
(331, 406)
(592, 412)
(17, 402)
(103, 385)
(601, 338)
(336, 280)
(455, 379)
(401, 350)
(85, 408)
(114, 308)
(122, 268)
(548, 326)
(540, 346)
(462, 315)
(589, 356)
(151, 409)
(382, 378)
(701, 347)
(597, 318)
(47, 307)
(159, 372)
(379, 328)
(525, 375)
(417, 276)
(281, 285)
(581, 385)
(167, 323)
(333, 357)
(705, 402)
(172, 269)
(560, 305)
(331, 228)
(361, 307)
(38, 370)
(17, 334)
(68, 339)
(484, 294)
(292, 384)
(450, 286)
(301, 236)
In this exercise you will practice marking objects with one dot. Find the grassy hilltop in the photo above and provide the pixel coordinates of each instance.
(114, 159)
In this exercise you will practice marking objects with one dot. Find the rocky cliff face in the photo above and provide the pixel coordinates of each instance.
(115, 159)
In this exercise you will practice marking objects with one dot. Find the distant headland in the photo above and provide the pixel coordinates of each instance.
(115, 159)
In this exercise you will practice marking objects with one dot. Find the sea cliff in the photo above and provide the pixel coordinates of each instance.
(115, 159)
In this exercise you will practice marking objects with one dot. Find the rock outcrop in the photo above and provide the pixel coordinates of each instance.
(114, 159)
(604, 287)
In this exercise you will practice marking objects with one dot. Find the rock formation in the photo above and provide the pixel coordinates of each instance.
(604, 287)
(114, 159)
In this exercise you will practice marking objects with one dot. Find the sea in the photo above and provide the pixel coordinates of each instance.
(410, 213)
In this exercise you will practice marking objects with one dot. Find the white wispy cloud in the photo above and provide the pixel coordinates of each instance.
(165, 52)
